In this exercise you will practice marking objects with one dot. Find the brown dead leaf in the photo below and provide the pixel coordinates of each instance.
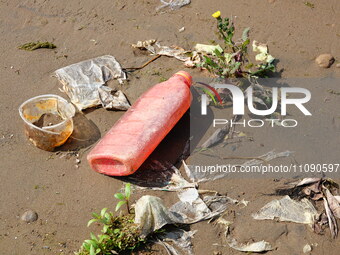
(333, 204)
(331, 220)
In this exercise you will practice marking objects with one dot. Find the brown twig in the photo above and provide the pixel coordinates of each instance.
(131, 69)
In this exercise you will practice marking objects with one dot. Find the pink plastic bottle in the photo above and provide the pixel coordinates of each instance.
(139, 131)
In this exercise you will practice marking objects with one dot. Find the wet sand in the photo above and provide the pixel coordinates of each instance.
(63, 195)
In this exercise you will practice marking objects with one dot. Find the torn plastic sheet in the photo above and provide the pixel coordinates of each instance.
(116, 101)
(151, 214)
(191, 208)
(200, 176)
(287, 209)
(261, 246)
(179, 239)
(173, 4)
(83, 81)
(190, 58)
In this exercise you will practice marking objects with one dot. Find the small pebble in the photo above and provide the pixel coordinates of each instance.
(324, 60)
(337, 65)
(29, 216)
(307, 248)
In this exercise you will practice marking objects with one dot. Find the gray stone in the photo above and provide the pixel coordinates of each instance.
(29, 216)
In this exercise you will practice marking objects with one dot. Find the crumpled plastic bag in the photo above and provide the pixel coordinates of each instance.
(287, 209)
(83, 83)
(177, 238)
(173, 4)
(192, 208)
(117, 101)
(151, 214)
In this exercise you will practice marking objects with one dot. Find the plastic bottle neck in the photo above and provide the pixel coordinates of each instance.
(186, 77)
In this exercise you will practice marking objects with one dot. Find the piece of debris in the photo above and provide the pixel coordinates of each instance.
(177, 238)
(36, 45)
(263, 54)
(261, 246)
(287, 209)
(29, 216)
(192, 208)
(190, 58)
(337, 198)
(111, 99)
(331, 91)
(324, 60)
(337, 65)
(48, 131)
(151, 214)
(208, 49)
(309, 4)
(181, 29)
(333, 203)
(307, 248)
(173, 4)
(333, 226)
(144, 45)
(317, 189)
(83, 82)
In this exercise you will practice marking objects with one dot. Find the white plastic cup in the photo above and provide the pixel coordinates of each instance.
(49, 137)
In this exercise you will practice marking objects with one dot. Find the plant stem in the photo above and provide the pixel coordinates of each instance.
(127, 206)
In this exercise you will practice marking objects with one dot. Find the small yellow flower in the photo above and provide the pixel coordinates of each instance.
(216, 15)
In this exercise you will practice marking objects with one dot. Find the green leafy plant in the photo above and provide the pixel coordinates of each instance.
(233, 61)
(118, 234)
(124, 198)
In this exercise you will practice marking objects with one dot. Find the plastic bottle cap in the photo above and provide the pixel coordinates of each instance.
(186, 75)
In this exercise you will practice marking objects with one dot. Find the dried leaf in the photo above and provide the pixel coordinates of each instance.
(306, 181)
(333, 204)
(331, 220)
